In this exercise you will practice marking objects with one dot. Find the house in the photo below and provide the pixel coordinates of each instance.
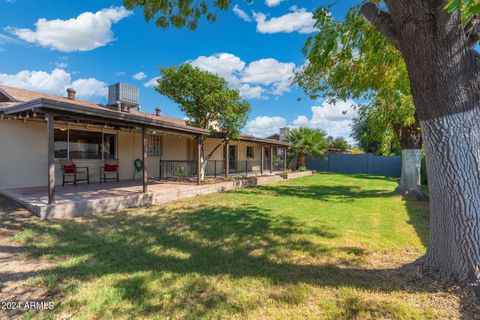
(38, 130)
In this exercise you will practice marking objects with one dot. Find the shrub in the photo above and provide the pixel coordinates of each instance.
(302, 169)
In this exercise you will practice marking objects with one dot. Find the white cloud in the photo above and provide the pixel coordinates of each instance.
(251, 92)
(273, 3)
(336, 119)
(139, 76)
(83, 33)
(4, 40)
(55, 83)
(260, 77)
(61, 65)
(270, 72)
(119, 73)
(225, 65)
(90, 88)
(151, 83)
(241, 14)
(264, 126)
(299, 20)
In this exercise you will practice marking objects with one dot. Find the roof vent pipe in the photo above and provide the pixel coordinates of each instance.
(71, 93)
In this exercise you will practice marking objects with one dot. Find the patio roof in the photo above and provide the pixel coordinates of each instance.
(24, 101)
(14, 101)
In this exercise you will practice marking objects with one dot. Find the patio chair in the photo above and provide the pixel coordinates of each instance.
(110, 171)
(74, 173)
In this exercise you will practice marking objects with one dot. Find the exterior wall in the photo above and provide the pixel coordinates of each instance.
(178, 147)
(210, 144)
(23, 154)
(129, 149)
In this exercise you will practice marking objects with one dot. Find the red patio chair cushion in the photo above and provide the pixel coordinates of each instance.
(110, 167)
(70, 168)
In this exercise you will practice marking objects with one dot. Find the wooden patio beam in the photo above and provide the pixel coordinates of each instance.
(199, 159)
(51, 157)
(271, 159)
(262, 159)
(144, 159)
(227, 156)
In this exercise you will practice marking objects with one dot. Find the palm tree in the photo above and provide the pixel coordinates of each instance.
(305, 141)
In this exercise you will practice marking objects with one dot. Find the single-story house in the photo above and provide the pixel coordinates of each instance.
(38, 131)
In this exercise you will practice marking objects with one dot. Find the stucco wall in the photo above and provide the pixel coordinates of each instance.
(23, 153)
(241, 149)
(178, 147)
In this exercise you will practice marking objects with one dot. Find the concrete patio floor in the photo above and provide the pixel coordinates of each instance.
(97, 198)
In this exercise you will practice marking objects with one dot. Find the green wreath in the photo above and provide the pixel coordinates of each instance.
(138, 164)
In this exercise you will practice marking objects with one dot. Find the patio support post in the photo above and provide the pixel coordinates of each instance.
(144, 159)
(199, 159)
(51, 158)
(262, 160)
(271, 159)
(285, 159)
(227, 156)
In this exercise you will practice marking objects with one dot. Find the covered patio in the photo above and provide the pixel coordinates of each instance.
(53, 112)
(93, 199)
(41, 132)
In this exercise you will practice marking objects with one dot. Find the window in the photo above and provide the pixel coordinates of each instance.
(78, 144)
(109, 146)
(155, 145)
(61, 143)
(250, 153)
(85, 144)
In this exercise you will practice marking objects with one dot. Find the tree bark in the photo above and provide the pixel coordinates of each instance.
(204, 158)
(444, 75)
(452, 147)
(301, 160)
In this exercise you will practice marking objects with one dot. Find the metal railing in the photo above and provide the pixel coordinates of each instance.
(244, 167)
(178, 169)
(187, 169)
(278, 165)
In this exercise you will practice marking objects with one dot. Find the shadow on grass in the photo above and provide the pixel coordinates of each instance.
(195, 242)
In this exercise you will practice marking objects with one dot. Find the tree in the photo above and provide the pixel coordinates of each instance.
(207, 102)
(306, 141)
(339, 143)
(443, 69)
(352, 60)
(362, 133)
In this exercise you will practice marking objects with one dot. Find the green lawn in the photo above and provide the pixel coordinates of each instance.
(329, 246)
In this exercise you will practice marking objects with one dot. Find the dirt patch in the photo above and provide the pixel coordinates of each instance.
(16, 266)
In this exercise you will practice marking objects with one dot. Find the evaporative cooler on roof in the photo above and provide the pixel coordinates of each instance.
(123, 96)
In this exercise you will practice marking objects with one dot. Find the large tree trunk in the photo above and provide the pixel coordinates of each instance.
(452, 148)
(411, 143)
(444, 76)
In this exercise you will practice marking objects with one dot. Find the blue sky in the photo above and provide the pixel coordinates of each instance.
(48, 45)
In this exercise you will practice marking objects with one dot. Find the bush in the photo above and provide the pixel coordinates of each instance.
(302, 169)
